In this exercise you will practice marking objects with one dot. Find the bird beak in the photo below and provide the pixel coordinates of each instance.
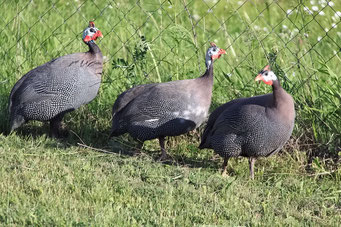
(221, 52)
(99, 34)
(259, 77)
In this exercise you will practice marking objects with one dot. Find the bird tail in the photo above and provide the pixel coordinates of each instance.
(16, 121)
(117, 127)
(113, 133)
(205, 140)
(203, 145)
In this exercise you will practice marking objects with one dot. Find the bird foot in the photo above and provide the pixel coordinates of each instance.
(59, 134)
(164, 157)
(224, 173)
(137, 152)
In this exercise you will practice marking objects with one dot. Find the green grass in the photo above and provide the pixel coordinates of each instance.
(45, 183)
(48, 182)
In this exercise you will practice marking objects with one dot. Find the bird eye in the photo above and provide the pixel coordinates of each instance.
(266, 74)
(92, 30)
(214, 49)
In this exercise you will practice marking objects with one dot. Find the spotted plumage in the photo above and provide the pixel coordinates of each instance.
(49, 91)
(251, 127)
(165, 109)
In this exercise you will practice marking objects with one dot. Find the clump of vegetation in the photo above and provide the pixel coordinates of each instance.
(137, 67)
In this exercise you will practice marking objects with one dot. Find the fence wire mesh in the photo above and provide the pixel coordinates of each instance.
(160, 40)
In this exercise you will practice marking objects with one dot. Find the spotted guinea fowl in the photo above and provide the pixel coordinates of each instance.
(49, 91)
(165, 109)
(251, 127)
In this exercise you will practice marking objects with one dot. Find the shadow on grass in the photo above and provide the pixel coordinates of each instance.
(34, 130)
(96, 138)
(316, 152)
(127, 146)
(322, 152)
(192, 162)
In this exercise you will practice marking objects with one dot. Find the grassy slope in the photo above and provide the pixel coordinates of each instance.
(44, 181)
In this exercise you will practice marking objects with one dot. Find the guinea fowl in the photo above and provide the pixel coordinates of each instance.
(49, 91)
(251, 127)
(165, 109)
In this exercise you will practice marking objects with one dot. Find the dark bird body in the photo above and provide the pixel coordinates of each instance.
(251, 127)
(166, 109)
(49, 91)
(163, 109)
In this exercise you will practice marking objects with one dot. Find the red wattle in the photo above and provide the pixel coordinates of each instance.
(269, 82)
(87, 38)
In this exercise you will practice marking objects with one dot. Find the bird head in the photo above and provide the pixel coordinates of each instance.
(266, 75)
(213, 52)
(91, 33)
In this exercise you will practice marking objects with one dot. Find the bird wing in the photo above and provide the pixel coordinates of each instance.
(127, 96)
(156, 101)
(212, 120)
(32, 86)
(239, 118)
(48, 80)
(236, 116)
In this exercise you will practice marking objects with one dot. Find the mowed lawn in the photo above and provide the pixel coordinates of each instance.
(91, 180)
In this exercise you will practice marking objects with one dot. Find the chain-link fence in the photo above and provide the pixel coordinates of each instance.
(160, 40)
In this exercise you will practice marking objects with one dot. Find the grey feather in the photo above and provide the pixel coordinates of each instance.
(56, 87)
(248, 127)
(153, 110)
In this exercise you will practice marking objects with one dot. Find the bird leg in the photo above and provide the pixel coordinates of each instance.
(252, 161)
(163, 150)
(138, 148)
(55, 125)
(223, 173)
